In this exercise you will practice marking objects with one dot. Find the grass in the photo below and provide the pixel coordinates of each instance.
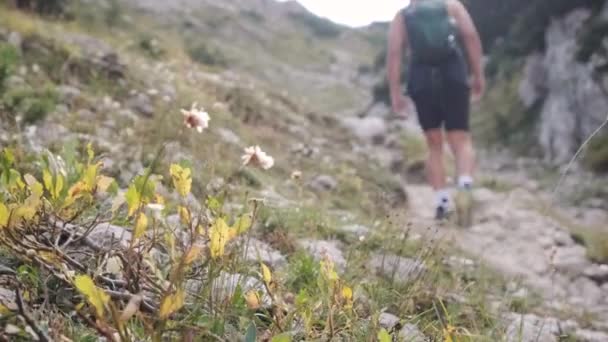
(595, 239)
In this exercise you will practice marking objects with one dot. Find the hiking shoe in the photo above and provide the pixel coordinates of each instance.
(464, 207)
(442, 213)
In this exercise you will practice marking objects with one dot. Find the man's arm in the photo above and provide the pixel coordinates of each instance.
(397, 39)
(472, 44)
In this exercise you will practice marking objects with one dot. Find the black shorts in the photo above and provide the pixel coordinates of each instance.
(441, 94)
(446, 107)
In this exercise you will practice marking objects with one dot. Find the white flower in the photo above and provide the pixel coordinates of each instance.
(196, 118)
(361, 238)
(256, 157)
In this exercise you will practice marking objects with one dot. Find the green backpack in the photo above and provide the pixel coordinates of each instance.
(431, 31)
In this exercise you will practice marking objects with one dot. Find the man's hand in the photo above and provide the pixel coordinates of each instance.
(478, 87)
(401, 106)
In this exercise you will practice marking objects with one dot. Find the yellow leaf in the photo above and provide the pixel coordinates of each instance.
(159, 199)
(4, 215)
(24, 212)
(328, 271)
(90, 152)
(219, 237)
(384, 336)
(172, 303)
(347, 293)
(34, 185)
(140, 226)
(182, 179)
(133, 199)
(90, 177)
(104, 183)
(47, 178)
(58, 186)
(447, 333)
(243, 224)
(50, 258)
(77, 190)
(252, 298)
(184, 215)
(4, 310)
(96, 296)
(266, 275)
(192, 254)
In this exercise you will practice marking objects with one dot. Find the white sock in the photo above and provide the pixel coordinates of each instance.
(465, 181)
(442, 198)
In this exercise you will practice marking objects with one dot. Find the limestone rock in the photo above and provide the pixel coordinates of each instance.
(323, 183)
(320, 248)
(399, 268)
(411, 333)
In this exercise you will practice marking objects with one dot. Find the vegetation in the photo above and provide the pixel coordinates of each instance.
(320, 27)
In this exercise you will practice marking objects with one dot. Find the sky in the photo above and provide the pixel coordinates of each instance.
(355, 12)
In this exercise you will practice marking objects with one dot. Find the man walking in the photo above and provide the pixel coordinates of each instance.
(440, 83)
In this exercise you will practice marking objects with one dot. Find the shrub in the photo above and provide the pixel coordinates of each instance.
(205, 54)
(32, 104)
(8, 59)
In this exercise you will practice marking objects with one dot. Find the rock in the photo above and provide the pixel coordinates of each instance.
(367, 129)
(598, 273)
(388, 321)
(257, 250)
(460, 263)
(583, 335)
(532, 86)
(68, 94)
(86, 115)
(396, 267)
(8, 298)
(531, 328)
(108, 235)
(229, 136)
(355, 229)
(320, 248)
(142, 104)
(225, 285)
(411, 333)
(379, 110)
(15, 40)
(591, 294)
(571, 259)
(323, 183)
(564, 123)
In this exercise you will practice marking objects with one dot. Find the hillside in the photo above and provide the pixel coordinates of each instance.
(126, 215)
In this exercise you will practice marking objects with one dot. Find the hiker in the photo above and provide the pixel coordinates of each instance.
(442, 78)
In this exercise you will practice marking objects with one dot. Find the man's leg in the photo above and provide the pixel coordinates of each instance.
(461, 144)
(435, 171)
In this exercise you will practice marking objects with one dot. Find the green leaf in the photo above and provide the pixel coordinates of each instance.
(252, 333)
(285, 337)
(384, 336)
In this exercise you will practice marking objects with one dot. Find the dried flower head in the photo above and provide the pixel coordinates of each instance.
(196, 118)
(254, 156)
(296, 175)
